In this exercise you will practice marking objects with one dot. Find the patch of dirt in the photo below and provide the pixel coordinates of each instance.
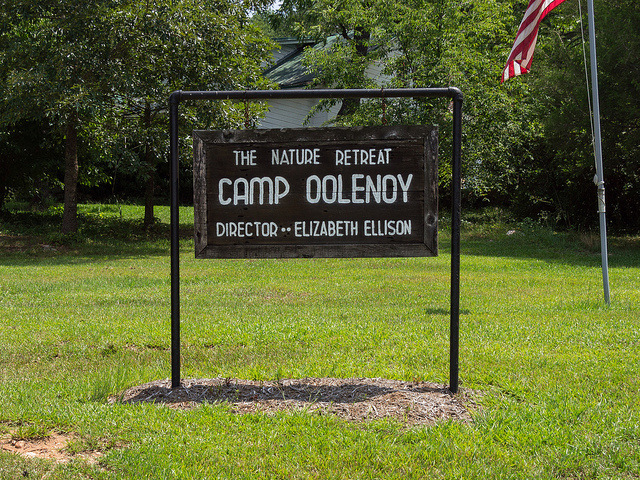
(352, 399)
(52, 447)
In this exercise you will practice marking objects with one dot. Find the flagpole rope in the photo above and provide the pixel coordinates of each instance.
(586, 74)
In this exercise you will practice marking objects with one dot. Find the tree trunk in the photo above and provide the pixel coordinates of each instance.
(150, 167)
(3, 194)
(148, 199)
(361, 39)
(70, 215)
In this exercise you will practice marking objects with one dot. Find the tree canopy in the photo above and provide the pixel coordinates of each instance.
(527, 142)
(94, 80)
(104, 69)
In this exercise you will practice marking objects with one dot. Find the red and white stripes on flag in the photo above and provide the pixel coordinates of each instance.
(519, 60)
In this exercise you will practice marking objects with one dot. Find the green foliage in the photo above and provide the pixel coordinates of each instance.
(27, 153)
(464, 44)
(168, 46)
(109, 66)
(54, 57)
(527, 142)
(428, 43)
(565, 160)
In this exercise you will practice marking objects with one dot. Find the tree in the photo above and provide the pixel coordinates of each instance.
(464, 44)
(428, 43)
(105, 64)
(351, 36)
(527, 143)
(188, 45)
(558, 181)
(53, 67)
(26, 152)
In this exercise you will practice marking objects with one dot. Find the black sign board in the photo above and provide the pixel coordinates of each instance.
(327, 192)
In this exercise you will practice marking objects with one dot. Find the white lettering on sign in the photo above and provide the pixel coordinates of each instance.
(245, 157)
(295, 156)
(243, 192)
(373, 156)
(246, 229)
(316, 228)
(375, 189)
(384, 228)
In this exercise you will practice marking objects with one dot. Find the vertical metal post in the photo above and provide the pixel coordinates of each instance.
(599, 180)
(454, 342)
(174, 101)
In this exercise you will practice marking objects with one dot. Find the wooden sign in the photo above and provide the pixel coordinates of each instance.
(328, 192)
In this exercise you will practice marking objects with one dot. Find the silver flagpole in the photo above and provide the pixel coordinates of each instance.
(599, 178)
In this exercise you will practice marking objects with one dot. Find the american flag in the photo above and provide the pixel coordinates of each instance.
(519, 60)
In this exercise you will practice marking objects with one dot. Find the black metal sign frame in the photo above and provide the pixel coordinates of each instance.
(450, 92)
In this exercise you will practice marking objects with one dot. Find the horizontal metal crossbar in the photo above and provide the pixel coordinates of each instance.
(450, 92)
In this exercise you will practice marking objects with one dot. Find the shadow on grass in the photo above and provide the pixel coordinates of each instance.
(26, 235)
(493, 232)
(236, 391)
(560, 248)
(444, 311)
(36, 234)
(353, 399)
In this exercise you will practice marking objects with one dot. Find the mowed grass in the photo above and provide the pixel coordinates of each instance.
(554, 372)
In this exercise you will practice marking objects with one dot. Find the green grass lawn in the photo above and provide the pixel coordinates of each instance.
(554, 372)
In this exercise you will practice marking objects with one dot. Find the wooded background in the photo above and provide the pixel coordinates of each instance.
(84, 93)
